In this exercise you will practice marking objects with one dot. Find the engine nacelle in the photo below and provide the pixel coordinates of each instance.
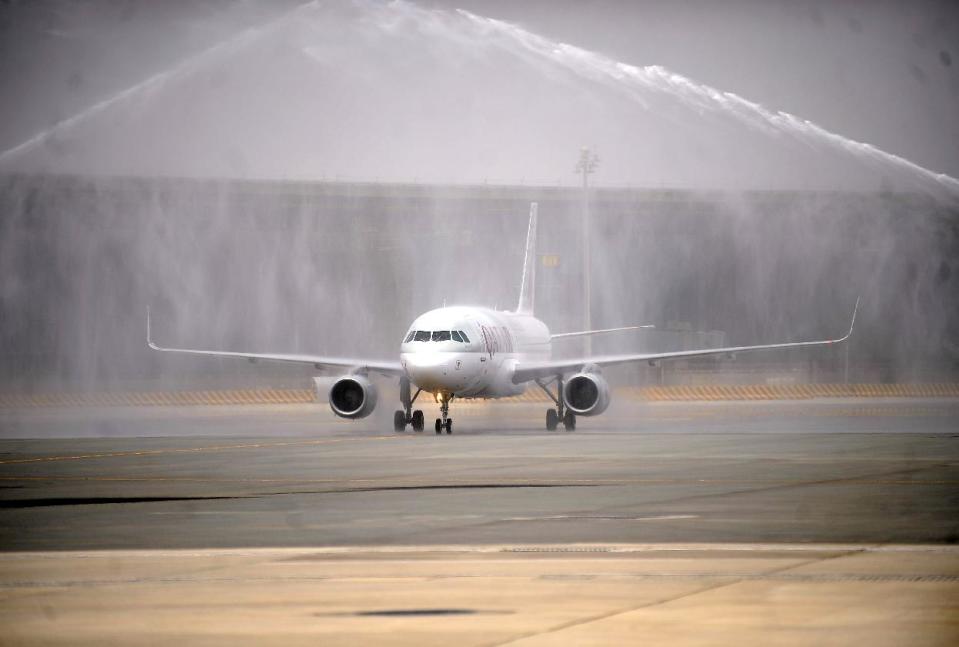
(586, 394)
(353, 396)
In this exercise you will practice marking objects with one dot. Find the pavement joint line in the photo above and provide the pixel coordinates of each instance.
(667, 600)
(187, 450)
(764, 487)
(841, 480)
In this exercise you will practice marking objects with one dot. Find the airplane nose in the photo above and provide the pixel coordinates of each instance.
(428, 370)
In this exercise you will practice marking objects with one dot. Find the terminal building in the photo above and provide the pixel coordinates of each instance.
(341, 268)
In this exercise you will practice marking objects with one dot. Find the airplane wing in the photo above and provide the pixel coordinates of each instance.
(318, 361)
(526, 371)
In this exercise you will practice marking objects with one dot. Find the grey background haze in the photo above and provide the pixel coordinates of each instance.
(173, 131)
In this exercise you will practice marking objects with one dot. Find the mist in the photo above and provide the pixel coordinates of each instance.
(310, 177)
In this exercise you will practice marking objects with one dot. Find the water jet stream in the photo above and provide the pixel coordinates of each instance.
(623, 76)
(470, 33)
(185, 67)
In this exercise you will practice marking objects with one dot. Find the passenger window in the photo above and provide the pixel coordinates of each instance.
(409, 337)
(465, 338)
(456, 336)
(441, 335)
(422, 335)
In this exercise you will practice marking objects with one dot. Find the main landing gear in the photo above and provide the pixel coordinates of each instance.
(407, 416)
(445, 422)
(560, 413)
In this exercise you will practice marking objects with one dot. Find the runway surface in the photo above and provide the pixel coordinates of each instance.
(825, 522)
(293, 476)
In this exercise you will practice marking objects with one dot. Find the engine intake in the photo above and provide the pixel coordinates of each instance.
(586, 394)
(353, 396)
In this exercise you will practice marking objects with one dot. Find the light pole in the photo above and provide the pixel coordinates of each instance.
(585, 166)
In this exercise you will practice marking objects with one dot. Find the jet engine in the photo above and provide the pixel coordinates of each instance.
(586, 393)
(353, 396)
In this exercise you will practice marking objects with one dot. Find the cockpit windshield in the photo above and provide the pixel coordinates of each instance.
(437, 335)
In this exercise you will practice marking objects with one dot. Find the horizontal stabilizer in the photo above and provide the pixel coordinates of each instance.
(585, 333)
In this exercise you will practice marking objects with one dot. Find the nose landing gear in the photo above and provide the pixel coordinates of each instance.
(445, 422)
(407, 416)
(560, 413)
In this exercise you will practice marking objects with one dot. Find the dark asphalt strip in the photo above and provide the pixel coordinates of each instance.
(70, 501)
(67, 501)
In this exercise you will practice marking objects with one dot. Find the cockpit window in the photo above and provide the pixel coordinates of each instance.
(437, 335)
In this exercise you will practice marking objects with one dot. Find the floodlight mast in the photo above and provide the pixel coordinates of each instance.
(587, 164)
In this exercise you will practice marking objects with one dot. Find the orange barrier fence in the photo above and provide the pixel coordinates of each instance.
(794, 391)
(650, 393)
(158, 398)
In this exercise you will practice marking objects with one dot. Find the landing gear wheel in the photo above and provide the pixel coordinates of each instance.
(417, 421)
(399, 421)
(552, 419)
(569, 421)
(444, 422)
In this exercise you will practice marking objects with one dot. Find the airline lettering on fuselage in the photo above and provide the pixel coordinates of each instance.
(498, 339)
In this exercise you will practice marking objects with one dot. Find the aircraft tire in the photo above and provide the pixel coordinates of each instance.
(552, 419)
(439, 426)
(399, 421)
(449, 425)
(569, 421)
(418, 423)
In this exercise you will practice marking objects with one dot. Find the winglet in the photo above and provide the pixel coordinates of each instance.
(853, 322)
(527, 292)
(149, 334)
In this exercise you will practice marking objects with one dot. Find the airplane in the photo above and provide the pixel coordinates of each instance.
(466, 352)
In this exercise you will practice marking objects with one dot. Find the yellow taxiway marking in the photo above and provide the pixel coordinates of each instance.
(187, 450)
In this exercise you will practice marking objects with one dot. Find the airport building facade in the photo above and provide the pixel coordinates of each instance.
(342, 268)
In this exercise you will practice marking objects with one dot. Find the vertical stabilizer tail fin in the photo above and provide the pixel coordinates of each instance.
(527, 291)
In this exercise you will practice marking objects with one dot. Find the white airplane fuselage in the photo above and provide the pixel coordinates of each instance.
(481, 367)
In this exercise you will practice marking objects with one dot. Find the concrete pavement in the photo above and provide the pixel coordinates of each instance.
(820, 522)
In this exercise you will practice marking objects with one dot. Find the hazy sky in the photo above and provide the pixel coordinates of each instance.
(377, 91)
